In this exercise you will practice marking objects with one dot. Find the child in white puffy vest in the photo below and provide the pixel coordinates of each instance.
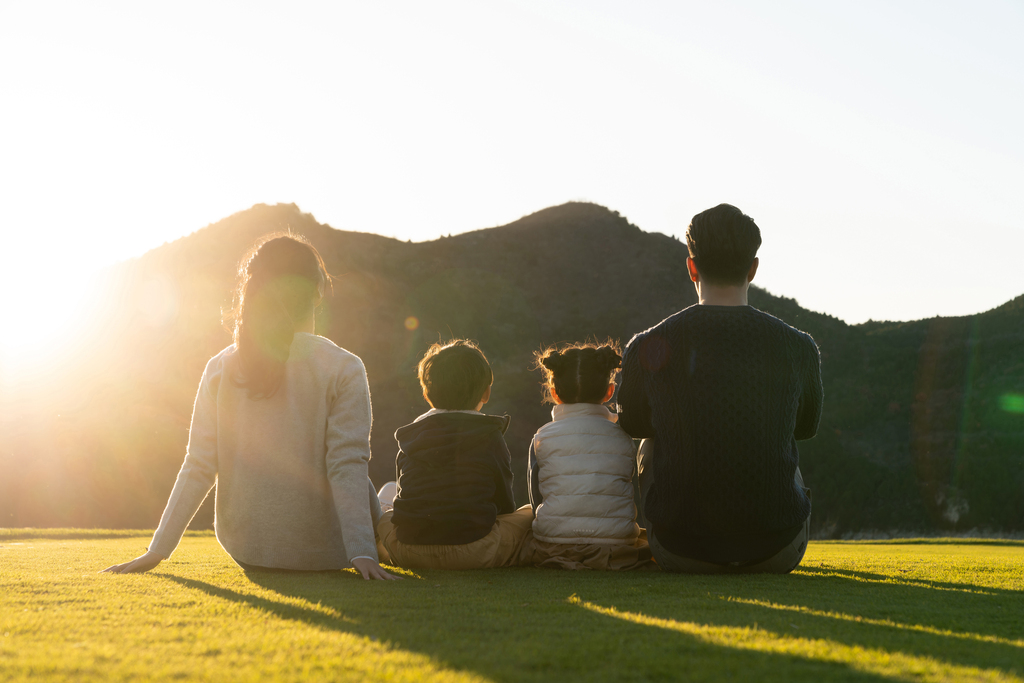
(581, 468)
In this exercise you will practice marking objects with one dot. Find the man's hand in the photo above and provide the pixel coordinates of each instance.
(142, 563)
(371, 570)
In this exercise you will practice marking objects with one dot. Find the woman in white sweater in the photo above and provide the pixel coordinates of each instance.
(281, 424)
(581, 468)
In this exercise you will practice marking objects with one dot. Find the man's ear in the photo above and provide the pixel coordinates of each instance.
(753, 270)
(691, 268)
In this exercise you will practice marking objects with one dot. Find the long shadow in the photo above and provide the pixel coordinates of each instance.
(960, 624)
(941, 585)
(532, 632)
(936, 541)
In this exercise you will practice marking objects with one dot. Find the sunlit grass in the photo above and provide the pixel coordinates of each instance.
(884, 662)
(889, 623)
(933, 611)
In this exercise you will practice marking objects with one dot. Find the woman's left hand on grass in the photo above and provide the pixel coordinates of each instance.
(142, 563)
(372, 571)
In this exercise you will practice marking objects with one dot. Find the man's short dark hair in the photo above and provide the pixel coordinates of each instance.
(455, 375)
(723, 243)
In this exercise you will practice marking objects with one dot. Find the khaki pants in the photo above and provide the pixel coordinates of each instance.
(499, 548)
(783, 562)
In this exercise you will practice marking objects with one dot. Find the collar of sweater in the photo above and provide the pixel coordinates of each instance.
(565, 410)
(436, 411)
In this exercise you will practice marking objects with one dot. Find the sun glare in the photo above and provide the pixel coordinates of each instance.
(44, 323)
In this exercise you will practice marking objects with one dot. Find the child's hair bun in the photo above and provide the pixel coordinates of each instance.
(609, 357)
(578, 373)
(553, 360)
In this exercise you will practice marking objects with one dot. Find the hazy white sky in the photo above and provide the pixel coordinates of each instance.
(879, 145)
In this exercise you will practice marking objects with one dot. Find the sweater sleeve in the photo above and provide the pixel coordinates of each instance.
(348, 453)
(634, 410)
(533, 472)
(199, 471)
(811, 400)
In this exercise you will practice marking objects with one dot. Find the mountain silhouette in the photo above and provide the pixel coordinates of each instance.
(923, 427)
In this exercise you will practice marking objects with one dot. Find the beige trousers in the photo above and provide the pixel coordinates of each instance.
(500, 548)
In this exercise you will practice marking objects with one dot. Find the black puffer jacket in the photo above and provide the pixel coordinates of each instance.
(454, 478)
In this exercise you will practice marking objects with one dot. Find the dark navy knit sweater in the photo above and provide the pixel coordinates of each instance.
(725, 392)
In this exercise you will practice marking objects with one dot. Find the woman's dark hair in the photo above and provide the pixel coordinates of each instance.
(578, 373)
(280, 282)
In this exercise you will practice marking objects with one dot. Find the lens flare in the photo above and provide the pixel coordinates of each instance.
(412, 323)
(1012, 403)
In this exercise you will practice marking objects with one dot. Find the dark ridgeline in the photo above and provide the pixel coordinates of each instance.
(923, 426)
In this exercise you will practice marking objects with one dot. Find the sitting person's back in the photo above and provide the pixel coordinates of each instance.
(729, 396)
(581, 468)
(281, 426)
(454, 506)
(724, 391)
(454, 477)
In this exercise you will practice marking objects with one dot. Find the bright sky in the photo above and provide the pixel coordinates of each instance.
(879, 145)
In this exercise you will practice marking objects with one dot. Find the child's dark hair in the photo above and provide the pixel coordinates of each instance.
(455, 375)
(578, 373)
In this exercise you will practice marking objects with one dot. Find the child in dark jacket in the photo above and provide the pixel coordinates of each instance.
(454, 506)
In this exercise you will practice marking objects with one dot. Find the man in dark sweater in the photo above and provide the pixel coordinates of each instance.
(721, 392)
(454, 507)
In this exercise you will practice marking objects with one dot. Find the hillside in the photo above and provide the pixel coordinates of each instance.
(920, 429)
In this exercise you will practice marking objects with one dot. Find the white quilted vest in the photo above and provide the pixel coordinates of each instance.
(586, 467)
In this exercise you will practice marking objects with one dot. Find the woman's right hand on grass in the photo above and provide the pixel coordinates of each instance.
(142, 563)
(371, 570)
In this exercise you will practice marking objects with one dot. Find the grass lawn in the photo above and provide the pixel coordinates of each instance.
(860, 611)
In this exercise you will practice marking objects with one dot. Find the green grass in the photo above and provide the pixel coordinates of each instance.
(857, 611)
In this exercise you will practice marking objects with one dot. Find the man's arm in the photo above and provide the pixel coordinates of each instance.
(634, 410)
(809, 412)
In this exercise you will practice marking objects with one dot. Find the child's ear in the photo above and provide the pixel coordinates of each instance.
(485, 397)
(427, 398)
(608, 394)
(554, 396)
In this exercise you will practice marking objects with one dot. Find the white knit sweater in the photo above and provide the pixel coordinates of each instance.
(586, 467)
(291, 470)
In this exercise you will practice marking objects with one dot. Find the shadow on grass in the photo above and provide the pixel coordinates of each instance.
(1011, 542)
(520, 625)
(873, 577)
(960, 624)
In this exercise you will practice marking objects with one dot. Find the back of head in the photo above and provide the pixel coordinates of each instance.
(455, 375)
(723, 243)
(578, 373)
(280, 282)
